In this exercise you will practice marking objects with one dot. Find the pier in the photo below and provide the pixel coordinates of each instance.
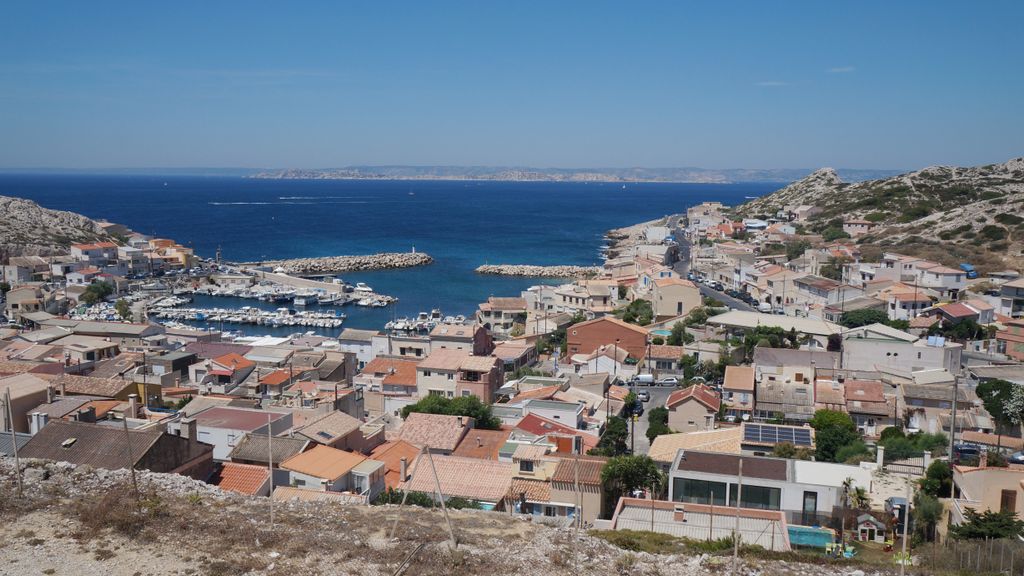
(539, 271)
(252, 316)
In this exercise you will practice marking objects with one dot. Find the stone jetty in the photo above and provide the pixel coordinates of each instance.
(539, 271)
(336, 264)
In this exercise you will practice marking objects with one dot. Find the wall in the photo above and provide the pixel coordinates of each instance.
(691, 410)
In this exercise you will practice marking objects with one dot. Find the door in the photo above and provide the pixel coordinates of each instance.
(1008, 501)
(810, 509)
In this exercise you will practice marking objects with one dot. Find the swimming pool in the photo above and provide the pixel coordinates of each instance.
(811, 537)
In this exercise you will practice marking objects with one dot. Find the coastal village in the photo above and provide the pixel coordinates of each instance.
(719, 379)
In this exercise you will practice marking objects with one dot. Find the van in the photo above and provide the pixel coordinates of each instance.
(765, 307)
(644, 379)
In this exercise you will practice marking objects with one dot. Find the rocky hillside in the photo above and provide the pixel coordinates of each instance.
(28, 228)
(948, 213)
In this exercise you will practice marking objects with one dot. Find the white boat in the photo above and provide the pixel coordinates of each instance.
(306, 298)
(362, 287)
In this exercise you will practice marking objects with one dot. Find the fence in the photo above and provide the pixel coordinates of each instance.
(1002, 556)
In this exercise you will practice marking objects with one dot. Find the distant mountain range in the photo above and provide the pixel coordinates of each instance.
(527, 174)
(945, 213)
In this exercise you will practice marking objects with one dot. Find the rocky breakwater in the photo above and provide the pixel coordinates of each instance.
(539, 271)
(335, 264)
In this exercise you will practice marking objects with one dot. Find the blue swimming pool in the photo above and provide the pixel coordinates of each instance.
(811, 537)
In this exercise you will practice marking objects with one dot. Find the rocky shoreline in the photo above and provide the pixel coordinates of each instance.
(539, 271)
(336, 264)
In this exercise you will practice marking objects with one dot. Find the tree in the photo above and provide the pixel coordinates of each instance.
(124, 310)
(657, 340)
(613, 441)
(834, 268)
(994, 394)
(938, 479)
(4, 287)
(637, 312)
(623, 291)
(657, 419)
(853, 453)
(622, 475)
(679, 335)
(928, 511)
(833, 431)
(470, 406)
(835, 343)
(833, 233)
(796, 249)
(863, 317)
(96, 292)
(987, 525)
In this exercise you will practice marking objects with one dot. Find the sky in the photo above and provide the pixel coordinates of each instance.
(875, 85)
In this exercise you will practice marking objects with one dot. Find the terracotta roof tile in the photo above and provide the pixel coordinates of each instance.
(483, 444)
(242, 478)
(531, 490)
(435, 431)
(589, 469)
(391, 454)
(395, 372)
(323, 462)
(472, 478)
(698, 392)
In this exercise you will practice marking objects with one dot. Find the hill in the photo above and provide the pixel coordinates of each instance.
(28, 228)
(946, 213)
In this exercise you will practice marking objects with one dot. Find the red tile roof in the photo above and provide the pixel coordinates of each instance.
(958, 310)
(539, 426)
(484, 444)
(243, 478)
(396, 372)
(234, 361)
(391, 454)
(276, 378)
(698, 392)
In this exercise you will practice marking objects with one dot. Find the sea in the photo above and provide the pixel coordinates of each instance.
(462, 224)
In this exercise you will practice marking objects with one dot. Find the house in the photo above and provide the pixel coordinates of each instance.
(485, 481)
(986, 488)
(699, 522)
(389, 375)
(115, 388)
(672, 297)
(925, 403)
(738, 392)
(739, 321)
(399, 458)
(692, 409)
(1011, 340)
(479, 443)
(834, 311)
(607, 359)
(331, 470)
(242, 478)
(405, 344)
(29, 298)
(96, 253)
(224, 426)
(22, 269)
(725, 440)
(868, 406)
(451, 373)
(576, 486)
(534, 428)
(358, 342)
(86, 349)
(501, 315)
(515, 354)
(339, 430)
(665, 359)
(858, 227)
(587, 337)
(808, 493)
(945, 281)
(221, 374)
(877, 346)
(83, 276)
(784, 382)
(266, 451)
(105, 447)
(472, 338)
(1011, 298)
(26, 392)
(439, 433)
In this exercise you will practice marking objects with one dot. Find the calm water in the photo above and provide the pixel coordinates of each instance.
(461, 224)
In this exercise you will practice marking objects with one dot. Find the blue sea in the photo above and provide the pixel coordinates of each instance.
(461, 224)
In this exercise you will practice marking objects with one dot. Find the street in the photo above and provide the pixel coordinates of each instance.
(683, 266)
(659, 395)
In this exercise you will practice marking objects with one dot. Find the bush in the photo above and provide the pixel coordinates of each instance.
(993, 233)
(855, 450)
(423, 500)
(833, 233)
(937, 479)
(470, 406)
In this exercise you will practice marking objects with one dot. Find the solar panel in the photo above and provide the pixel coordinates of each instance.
(771, 434)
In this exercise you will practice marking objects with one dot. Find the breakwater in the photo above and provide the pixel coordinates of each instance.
(539, 271)
(336, 264)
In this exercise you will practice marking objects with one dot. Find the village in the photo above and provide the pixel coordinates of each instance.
(717, 378)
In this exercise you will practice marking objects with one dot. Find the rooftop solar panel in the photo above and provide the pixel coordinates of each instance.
(771, 434)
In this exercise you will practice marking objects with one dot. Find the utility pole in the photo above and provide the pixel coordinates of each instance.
(14, 436)
(270, 468)
(736, 530)
(952, 434)
(906, 524)
(131, 459)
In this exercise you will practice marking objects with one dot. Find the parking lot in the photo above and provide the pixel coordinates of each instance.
(659, 395)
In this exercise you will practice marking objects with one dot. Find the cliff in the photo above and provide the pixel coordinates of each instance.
(28, 228)
(948, 213)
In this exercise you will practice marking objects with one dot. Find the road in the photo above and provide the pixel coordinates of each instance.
(683, 266)
(659, 394)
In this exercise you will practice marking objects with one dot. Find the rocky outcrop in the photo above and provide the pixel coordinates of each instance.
(27, 228)
(539, 271)
(946, 213)
(336, 264)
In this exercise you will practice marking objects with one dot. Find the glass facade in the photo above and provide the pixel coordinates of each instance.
(760, 497)
(698, 491)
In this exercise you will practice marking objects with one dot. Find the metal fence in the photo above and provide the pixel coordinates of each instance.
(993, 556)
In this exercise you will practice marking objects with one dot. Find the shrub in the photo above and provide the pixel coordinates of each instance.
(993, 232)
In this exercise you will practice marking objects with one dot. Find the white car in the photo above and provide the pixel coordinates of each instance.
(669, 381)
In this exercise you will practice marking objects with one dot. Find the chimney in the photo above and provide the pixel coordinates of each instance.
(479, 442)
(86, 415)
(187, 429)
(37, 421)
(403, 467)
(63, 389)
(49, 394)
(133, 406)
(983, 459)
(460, 422)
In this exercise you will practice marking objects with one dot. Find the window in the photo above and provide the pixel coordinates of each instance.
(549, 510)
(698, 491)
(1007, 501)
(451, 376)
(435, 392)
(426, 373)
(760, 497)
(526, 465)
(465, 393)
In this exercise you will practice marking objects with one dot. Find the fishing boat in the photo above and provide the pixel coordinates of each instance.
(306, 298)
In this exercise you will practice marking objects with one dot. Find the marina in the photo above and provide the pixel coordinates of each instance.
(249, 315)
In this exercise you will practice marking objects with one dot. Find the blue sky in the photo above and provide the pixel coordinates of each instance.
(323, 84)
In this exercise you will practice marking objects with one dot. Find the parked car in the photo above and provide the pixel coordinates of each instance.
(643, 380)
(668, 381)
(643, 396)
(638, 408)
(1016, 458)
(966, 453)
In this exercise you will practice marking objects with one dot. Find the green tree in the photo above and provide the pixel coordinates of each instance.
(987, 525)
(657, 340)
(463, 406)
(123, 309)
(853, 453)
(622, 292)
(4, 287)
(833, 430)
(863, 317)
(928, 511)
(96, 292)
(622, 475)
(613, 441)
(833, 269)
(796, 249)
(938, 479)
(657, 419)
(833, 233)
(995, 394)
(679, 335)
(637, 312)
